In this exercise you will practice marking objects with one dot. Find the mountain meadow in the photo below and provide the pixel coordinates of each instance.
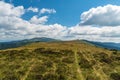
(59, 39)
(62, 60)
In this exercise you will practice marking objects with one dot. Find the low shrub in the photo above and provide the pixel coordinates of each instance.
(50, 77)
(84, 63)
(91, 77)
(115, 76)
(68, 60)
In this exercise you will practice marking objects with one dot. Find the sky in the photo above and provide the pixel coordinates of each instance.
(60, 19)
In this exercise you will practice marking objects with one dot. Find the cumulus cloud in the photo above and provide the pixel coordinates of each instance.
(45, 10)
(104, 33)
(13, 27)
(108, 15)
(9, 10)
(40, 20)
(33, 9)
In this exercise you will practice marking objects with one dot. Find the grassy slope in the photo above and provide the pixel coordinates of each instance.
(70, 60)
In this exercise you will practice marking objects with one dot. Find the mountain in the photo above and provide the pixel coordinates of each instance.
(14, 44)
(108, 45)
(64, 60)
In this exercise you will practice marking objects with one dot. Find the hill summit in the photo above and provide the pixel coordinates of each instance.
(66, 60)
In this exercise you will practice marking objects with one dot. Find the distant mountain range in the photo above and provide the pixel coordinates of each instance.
(14, 44)
(108, 45)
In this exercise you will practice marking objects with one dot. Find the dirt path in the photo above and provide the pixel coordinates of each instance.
(79, 76)
(98, 72)
(28, 71)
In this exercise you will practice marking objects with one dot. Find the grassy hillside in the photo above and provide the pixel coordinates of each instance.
(70, 60)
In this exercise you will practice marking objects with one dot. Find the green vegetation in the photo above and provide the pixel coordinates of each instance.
(70, 60)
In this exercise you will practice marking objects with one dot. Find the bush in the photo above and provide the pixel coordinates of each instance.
(62, 77)
(10, 76)
(15, 66)
(39, 69)
(39, 50)
(50, 77)
(106, 60)
(103, 57)
(48, 64)
(62, 69)
(115, 76)
(118, 58)
(68, 60)
(90, 77)
(114, 52)
(84, 63)
(45, 51)
(35, 77)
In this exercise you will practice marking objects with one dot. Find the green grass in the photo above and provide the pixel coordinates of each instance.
(70, 60)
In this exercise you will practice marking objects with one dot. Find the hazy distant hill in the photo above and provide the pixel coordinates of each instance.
(108, 45)
(67, 60)
(14, 44)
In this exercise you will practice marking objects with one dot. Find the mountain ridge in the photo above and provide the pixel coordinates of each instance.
(19, 43)
(107, 45)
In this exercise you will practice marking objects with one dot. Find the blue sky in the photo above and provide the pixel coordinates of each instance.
(96, 20)
(68, 11)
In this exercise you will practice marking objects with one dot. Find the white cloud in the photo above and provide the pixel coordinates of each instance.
(108, 15)
(9, 10)
(105, 33)
(45, 10)
(33, 9)
(13, 27)
(40, 20)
